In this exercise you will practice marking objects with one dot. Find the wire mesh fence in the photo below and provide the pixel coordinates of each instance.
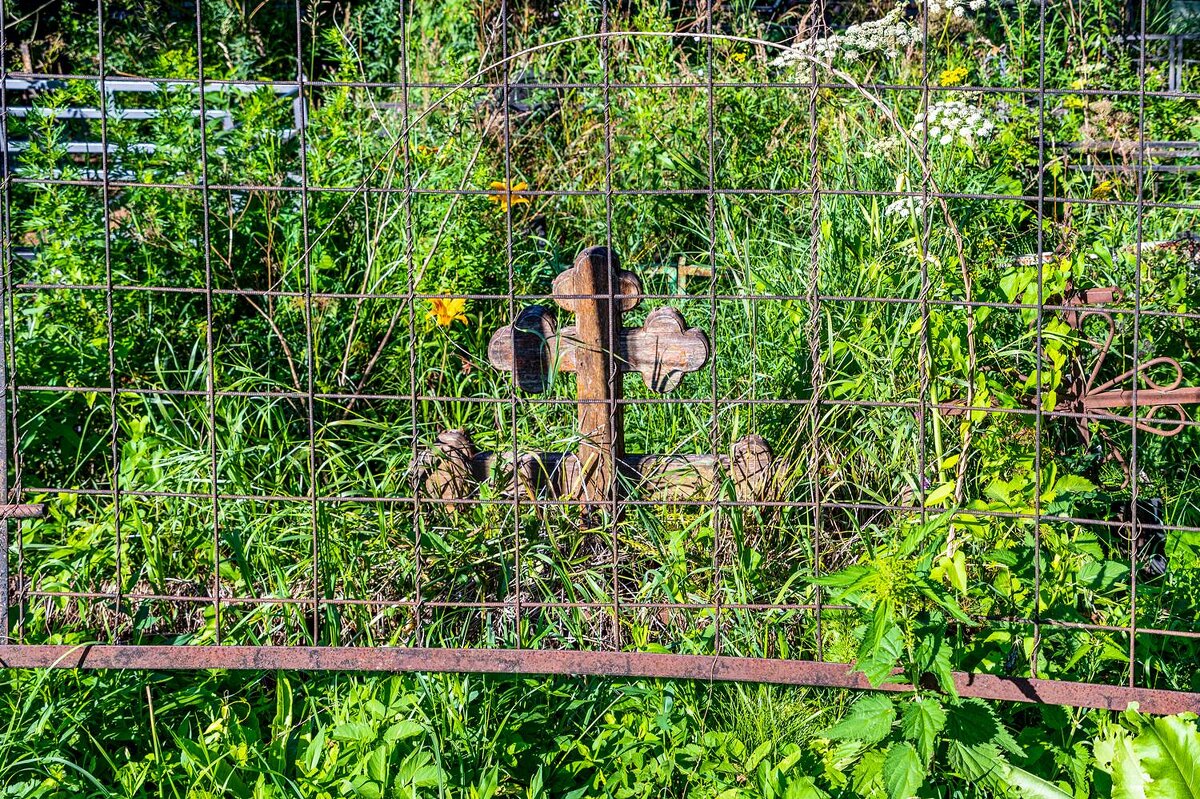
(319, 324)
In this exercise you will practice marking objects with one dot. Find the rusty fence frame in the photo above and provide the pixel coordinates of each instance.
(1087, 403)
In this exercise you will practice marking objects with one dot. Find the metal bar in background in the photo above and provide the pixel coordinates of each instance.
(210, 356)
(214, 83)
(410, 300)
(704, 668)
(697, 192)
(310, 366)
(6, 397)
(1135, 478)
(612, 371)
(35, 511)
(513, 400)
(110, 314)
(813, 334)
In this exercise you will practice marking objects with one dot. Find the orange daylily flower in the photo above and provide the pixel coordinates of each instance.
(447, 310)
(505, 196)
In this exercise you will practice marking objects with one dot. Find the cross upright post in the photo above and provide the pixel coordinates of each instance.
(595, 281)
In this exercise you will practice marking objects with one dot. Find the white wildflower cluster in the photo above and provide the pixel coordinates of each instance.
(879, 148)
(955, 8)
(888, 35)
(953, 121)
(906, 208)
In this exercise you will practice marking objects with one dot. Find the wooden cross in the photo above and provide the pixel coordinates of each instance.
(600, 351)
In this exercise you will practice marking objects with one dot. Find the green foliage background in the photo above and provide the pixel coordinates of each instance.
(932, 541)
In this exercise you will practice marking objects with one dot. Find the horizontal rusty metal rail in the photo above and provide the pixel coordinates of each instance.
(591, 663)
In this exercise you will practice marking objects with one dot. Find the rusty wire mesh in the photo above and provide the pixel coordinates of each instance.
(371, 570)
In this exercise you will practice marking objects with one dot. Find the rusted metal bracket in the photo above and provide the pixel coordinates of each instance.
(600, 351)
(1091, 400)
(1088, 400)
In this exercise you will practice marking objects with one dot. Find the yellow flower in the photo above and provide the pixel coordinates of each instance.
(739, 58)
(953, 77)
(505, 196)
(1078, 84)
(1104, 189)
(447, 310)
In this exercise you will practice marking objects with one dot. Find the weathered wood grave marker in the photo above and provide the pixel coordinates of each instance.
(600, 351)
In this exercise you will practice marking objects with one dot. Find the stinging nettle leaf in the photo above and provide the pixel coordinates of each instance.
(982, 762)
(870, 720)
(903, 771)
(922, 721)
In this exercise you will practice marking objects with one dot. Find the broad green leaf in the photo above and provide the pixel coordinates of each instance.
(867, 778)
(401, 730)
(1169, 751)
(790, 761)
(998, 491)
(316, 747)
(882, 619)
(958, 571)
(1073, 484)
(972, 721)
(488, 784)
(368, 790)
(358, 731)
(921, 722)
(942, 492)
(878, 663)
(851, 581)
(881, 646)
(377, 764)
(870, 720)
(1104, 576)
(933, 656)
(1129, 781)
(803, 788)
(903, 771)
(1031, 786)
(757, 755)
(942, 599)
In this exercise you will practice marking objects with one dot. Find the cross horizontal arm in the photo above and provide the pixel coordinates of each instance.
(663, 350)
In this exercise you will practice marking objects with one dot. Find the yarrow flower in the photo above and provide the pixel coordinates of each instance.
(445, 311)
(953, 121)
(505, 196)
(878, 148)
(888, 35)
(956, 8)
(906, 208)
